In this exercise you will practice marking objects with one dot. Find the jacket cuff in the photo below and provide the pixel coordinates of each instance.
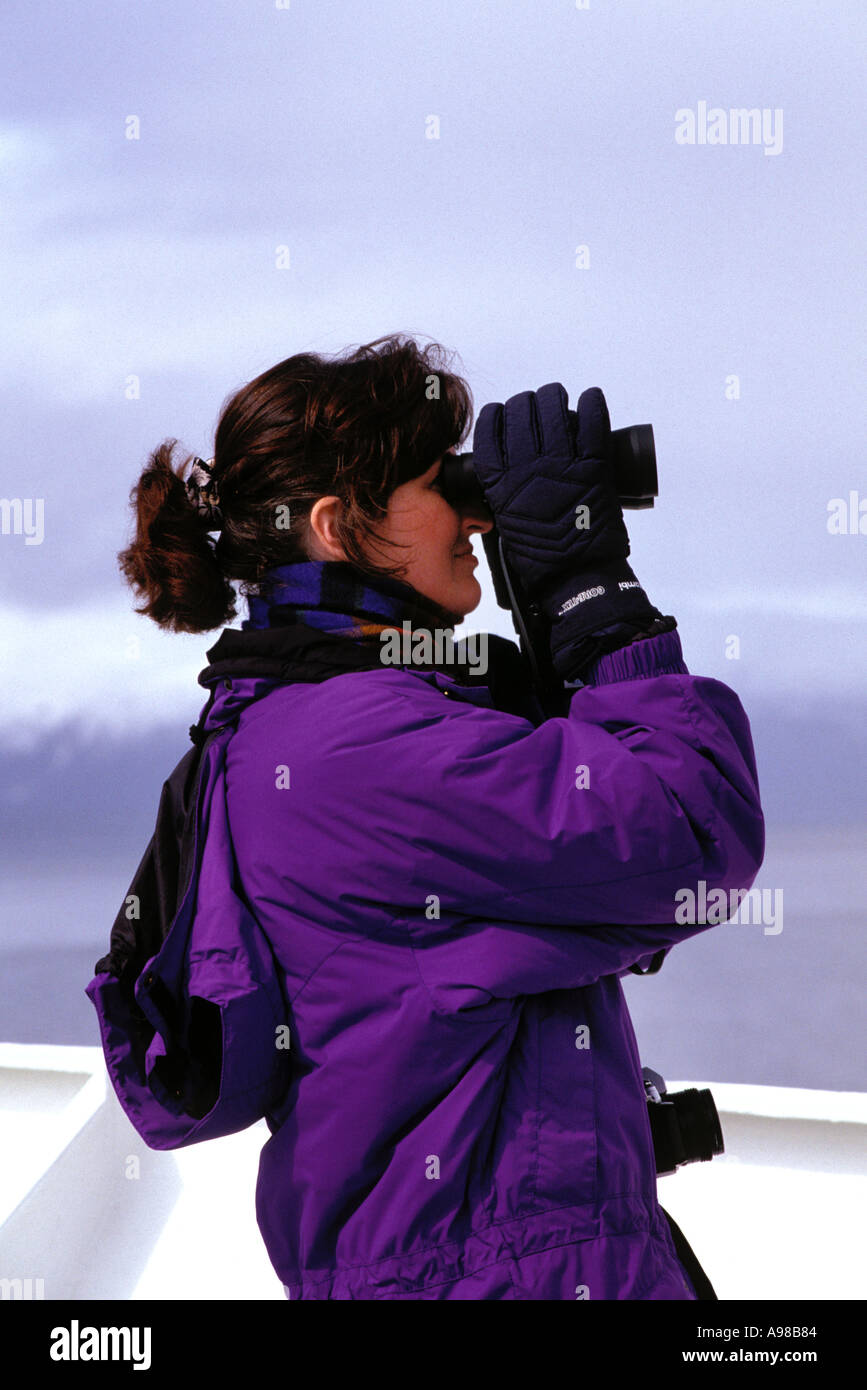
(253, 1069)
(653, 656)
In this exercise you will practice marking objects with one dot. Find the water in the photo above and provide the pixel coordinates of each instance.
(734, 1004)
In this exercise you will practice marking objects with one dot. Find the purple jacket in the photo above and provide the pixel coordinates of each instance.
(402, 934)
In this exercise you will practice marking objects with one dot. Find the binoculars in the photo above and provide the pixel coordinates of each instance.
(633, 466)
(632, 458)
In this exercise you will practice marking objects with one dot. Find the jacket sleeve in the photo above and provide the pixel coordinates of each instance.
(197, 1046)
(535, 858)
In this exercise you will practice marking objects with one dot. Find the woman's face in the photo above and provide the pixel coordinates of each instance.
(439, 562)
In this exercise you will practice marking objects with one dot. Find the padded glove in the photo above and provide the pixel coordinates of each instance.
(547, 477)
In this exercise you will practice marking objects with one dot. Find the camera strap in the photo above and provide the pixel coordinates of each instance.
(685, 1253)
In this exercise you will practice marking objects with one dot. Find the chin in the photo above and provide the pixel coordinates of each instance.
(467, 597)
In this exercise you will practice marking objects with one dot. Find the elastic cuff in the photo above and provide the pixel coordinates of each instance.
(657, 656)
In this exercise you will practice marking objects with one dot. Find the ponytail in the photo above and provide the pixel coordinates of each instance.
(171, 562)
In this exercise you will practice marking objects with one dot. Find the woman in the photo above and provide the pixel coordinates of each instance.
(401, 919)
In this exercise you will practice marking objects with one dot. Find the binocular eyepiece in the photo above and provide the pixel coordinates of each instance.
(633, 463)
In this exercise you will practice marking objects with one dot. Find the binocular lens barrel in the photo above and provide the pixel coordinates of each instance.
(633, 462)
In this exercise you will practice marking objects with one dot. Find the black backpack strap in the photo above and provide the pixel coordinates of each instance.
(160, 881)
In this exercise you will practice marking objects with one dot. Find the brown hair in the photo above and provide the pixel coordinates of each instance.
(355, 425)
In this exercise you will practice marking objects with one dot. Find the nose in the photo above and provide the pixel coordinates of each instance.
(477, 517)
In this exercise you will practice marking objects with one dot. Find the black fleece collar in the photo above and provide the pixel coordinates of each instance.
(297, 652)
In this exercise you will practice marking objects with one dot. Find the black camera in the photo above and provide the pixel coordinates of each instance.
(684, 1124)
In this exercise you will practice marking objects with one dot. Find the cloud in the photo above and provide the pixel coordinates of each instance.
(101, 665)
(841, 603)
(25, 148)
(112, 671)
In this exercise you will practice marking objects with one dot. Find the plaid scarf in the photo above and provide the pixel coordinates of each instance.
(337, 597)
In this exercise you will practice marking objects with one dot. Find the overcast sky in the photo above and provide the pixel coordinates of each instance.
(307, 126)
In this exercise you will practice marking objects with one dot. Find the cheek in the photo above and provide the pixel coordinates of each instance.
(432, 527)
(445, 522)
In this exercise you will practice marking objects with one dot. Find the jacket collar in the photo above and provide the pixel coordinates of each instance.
(245, 665)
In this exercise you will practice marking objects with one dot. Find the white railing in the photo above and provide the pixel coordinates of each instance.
(88, 1211)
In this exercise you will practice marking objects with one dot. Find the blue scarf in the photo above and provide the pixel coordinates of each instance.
(337, 597)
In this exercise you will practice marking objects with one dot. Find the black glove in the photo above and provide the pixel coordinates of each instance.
(546, 475)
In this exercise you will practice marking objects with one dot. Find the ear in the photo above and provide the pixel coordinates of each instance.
(324, 544)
